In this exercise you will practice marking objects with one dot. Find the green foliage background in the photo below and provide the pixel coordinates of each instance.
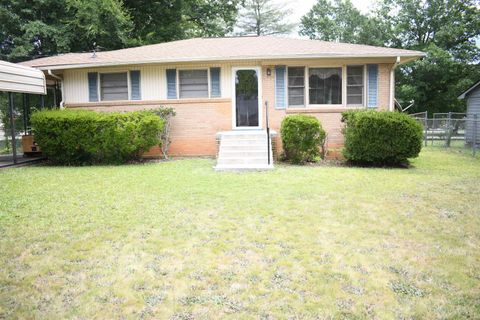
(74, 25)
(447, 30)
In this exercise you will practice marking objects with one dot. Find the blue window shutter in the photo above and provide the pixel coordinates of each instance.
(135, 85)
(92, 86)
(280, 90)
(215, 83)
(171, 83)
(372, 85)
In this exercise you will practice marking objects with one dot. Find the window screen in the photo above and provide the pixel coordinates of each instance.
(325, 85)
(193, 83)
(355, 85)
(296, 86)
(114, 86)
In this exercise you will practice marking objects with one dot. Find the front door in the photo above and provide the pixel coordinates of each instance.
(246, 98)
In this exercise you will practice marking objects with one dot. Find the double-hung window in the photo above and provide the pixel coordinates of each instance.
(114, 86)
(355, 75)
(193, 83)
(325, 85)
(296, 86)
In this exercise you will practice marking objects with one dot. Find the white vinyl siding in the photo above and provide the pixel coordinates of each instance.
(296, 86)
(193, 83)
(114, 86)
(355, 85)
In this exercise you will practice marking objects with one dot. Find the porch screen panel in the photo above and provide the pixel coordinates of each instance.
(193, 83)
(325, 85)
(296, 86)
(114, 86)
(355, 85)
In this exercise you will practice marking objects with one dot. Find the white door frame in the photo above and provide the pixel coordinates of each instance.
(258, 70)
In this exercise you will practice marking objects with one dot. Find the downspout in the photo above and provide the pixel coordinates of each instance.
(392, 85)
(61, 87)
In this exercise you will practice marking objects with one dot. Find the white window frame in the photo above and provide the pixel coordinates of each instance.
(304, 88)
(258, 70)
(364, 74)
(99, 84)
(208, 80)
(343, 71)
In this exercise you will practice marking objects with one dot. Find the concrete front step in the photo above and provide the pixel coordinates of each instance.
(245, 137)
(243, 167)
(243, 150)
(249, 142)
(234, 153)
(252, 161)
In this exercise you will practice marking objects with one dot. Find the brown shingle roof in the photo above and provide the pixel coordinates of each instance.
(208, 49)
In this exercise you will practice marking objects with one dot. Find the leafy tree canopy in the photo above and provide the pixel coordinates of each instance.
(341, 21)
(263, 17)
(31, 29)
(445, 29)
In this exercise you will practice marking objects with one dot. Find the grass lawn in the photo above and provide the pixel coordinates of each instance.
(177, 240)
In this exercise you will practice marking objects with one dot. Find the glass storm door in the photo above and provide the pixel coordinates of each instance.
(246, 98)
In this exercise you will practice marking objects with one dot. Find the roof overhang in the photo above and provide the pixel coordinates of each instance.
(403, 59)
(17, 78)
(464, 95)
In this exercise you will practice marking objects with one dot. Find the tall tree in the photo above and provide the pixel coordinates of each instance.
(36, 28)
(263, 17)
(167, 20)
(105, 22)
(340, 21)
(445, 29)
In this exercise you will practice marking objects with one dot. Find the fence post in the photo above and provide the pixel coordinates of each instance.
(449, 130)
(475, 125)
(426, 127)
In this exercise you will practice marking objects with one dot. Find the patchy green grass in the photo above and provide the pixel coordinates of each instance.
(178, 240)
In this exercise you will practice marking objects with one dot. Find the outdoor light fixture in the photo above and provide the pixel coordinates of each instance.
(269, 72)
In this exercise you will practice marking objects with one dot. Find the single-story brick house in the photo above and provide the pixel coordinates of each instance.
(222, 84)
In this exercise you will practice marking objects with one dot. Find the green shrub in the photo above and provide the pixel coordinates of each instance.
(381, 138)
(302, 138)
(74, 137)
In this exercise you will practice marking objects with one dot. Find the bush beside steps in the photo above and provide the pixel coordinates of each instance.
(303, 138)
(79, 137)
(380, 138)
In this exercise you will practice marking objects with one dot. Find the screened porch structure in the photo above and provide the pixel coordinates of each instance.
(17, 80)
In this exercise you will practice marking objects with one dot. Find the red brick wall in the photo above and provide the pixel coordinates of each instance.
(194, 126)
(197, 121)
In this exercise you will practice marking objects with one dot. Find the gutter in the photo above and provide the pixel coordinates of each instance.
(391, 106)
(61, 87)
(409, 57)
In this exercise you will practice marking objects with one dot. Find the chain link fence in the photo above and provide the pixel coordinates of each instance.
(451, 130)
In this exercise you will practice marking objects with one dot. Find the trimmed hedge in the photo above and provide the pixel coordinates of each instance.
(76, 137)
(381, 138)
(302, 137)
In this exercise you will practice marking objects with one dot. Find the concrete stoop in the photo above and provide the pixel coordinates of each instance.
(243, 151)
